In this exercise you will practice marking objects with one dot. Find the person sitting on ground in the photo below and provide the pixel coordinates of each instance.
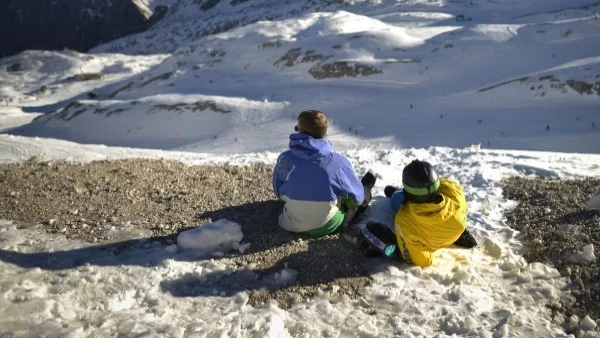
(321, 191)
(430, 214)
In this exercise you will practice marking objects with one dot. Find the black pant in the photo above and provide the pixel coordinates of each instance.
(352, 214)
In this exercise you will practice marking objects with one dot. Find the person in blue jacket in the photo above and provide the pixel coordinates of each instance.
(321, 191)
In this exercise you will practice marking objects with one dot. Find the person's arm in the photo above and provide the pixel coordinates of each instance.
(397, 200)
(454, 191)
(277, 175)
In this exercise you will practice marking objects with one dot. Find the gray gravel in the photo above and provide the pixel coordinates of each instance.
(553, 224)
(167, 197)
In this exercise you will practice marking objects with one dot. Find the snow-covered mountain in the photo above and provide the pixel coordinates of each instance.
(234, 74)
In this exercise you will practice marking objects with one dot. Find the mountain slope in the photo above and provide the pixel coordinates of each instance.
(435, 80)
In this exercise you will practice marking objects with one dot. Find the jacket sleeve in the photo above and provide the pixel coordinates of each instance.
(277, 175)
(397, 200)
(350, 187)
(455, 192)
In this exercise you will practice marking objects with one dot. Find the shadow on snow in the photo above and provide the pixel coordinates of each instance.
(327, 259)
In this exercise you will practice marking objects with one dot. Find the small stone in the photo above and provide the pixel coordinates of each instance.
(502, 331)
(587, 324)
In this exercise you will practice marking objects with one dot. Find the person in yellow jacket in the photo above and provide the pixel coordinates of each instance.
(430, 214)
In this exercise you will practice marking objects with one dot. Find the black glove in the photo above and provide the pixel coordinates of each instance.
(466, 240)
(369, 180)
(389, 190)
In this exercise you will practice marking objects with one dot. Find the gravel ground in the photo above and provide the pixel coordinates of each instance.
(166, 197)
(551, 220)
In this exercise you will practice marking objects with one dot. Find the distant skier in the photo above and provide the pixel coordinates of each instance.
(321, 191)
(430, 214)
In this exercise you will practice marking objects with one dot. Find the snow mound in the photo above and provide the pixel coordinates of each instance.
(532, 170)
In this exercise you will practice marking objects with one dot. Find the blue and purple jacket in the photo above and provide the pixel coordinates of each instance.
(313, 180)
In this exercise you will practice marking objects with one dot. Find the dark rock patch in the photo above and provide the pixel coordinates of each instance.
(290, 58)
(190, 107)
(73, 24)
(554, 225)
(342, 69)
(583, 87)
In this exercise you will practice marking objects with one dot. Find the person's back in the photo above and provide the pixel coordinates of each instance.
(426, 227)
(317, 184)
(431, 213)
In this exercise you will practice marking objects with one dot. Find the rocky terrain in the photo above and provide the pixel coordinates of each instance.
(552, 221)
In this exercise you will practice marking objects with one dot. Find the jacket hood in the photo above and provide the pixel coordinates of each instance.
(308, 147)
(450, 214)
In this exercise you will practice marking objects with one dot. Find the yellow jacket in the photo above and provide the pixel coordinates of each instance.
(422, 228)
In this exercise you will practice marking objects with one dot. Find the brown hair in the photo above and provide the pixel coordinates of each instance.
(313, 123)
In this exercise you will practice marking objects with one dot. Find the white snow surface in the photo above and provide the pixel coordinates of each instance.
(484, 107)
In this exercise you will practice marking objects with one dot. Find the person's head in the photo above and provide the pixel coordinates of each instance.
(313, 123)
(421, 182)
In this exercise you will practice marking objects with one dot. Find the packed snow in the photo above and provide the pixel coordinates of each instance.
(458, 94)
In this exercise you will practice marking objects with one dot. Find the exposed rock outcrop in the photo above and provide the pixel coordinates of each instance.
(73, 24)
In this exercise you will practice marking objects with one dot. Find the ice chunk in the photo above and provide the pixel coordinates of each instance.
(593, 203)
(486, 206)
(222, 234)
(491, 248)
(586, 255)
